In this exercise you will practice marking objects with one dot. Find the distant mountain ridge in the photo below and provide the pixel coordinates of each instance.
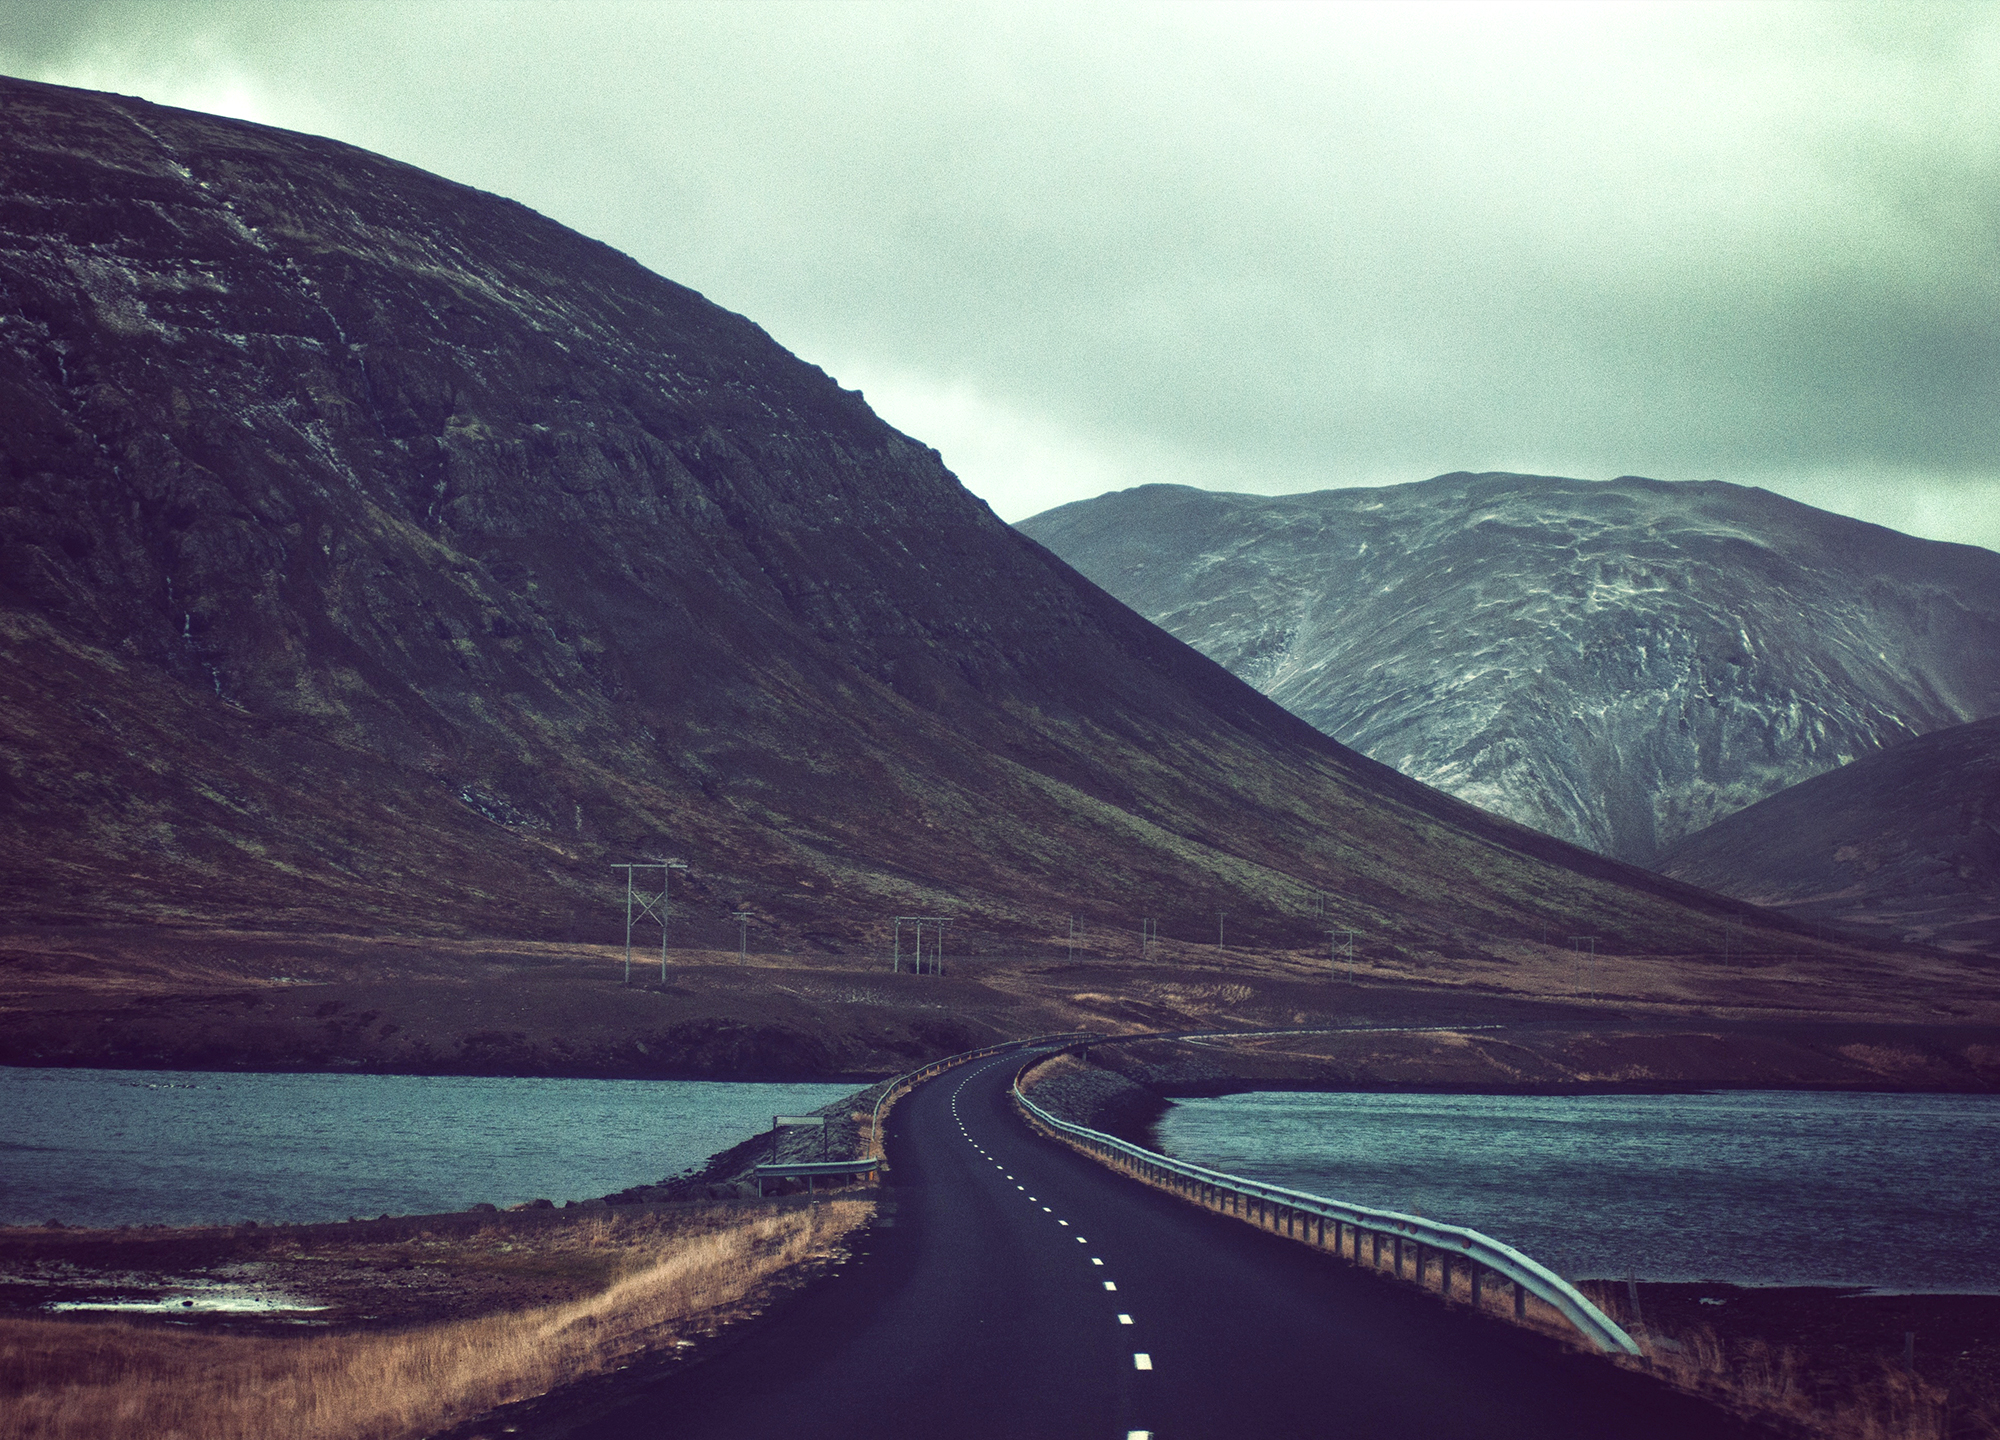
(1904, 844)
(1616, 663)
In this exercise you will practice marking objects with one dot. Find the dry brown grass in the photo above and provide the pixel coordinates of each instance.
(97, 1380)
(1051, 1068)
(1755, 1378)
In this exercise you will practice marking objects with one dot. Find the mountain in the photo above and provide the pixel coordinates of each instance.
(381, 559)
(1618, 663)
(1905, 843)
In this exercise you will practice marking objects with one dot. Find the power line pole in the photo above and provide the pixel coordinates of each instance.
(1576, 944)
(742, 919)
(918, 922)
(644, 905)
(1340, 945)
(666, 909)
(1149, 931)
(1220, 916)
(1075, 935)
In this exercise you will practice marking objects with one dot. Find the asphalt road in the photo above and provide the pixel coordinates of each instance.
(1013, 1288)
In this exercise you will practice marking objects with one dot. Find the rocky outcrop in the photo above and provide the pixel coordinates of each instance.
(1619, 664)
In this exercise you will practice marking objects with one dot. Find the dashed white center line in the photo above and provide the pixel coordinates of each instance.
(1124, 1319)
(1142, 1361)
(1079, 1239)
(1095, 1261)
(1062, 1222)
(1047, 1211)
(1110, 1285)
(1138, 1435)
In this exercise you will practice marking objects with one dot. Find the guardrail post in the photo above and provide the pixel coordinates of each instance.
(1520, 1302)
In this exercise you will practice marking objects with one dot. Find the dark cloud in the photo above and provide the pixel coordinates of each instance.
(1246, 246)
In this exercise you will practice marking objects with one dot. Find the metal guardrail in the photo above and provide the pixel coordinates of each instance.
(1235, 1195)
(924, 1072)
(812, 1171)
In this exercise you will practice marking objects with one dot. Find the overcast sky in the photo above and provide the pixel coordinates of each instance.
(1269, 248)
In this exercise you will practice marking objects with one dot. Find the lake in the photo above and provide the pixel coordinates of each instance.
(110, 1147)
(1900, 1192)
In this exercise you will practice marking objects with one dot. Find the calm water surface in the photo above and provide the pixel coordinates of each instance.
(109, 1147)
(1769, 1187)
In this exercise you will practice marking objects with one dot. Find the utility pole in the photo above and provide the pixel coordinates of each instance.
(666, 909)
(919, 921)
(1319, 904)
(1149, 931)
(1075, 936)
(644, 905)
(1340, 945)
(742, 919)
(1220, 916)
(1576, 944)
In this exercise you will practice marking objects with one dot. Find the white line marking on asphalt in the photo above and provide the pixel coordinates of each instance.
(1124, 1319)
(1062, 1222)
(1142, 1361)
(1138, 1435)
(1095, 1261)
(1110, 1285)
(1081, 1241)
(1045, 1209)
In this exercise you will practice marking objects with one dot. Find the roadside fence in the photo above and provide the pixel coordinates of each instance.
(1357, 1232)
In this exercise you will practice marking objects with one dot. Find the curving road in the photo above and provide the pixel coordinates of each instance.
(1013, 1288)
